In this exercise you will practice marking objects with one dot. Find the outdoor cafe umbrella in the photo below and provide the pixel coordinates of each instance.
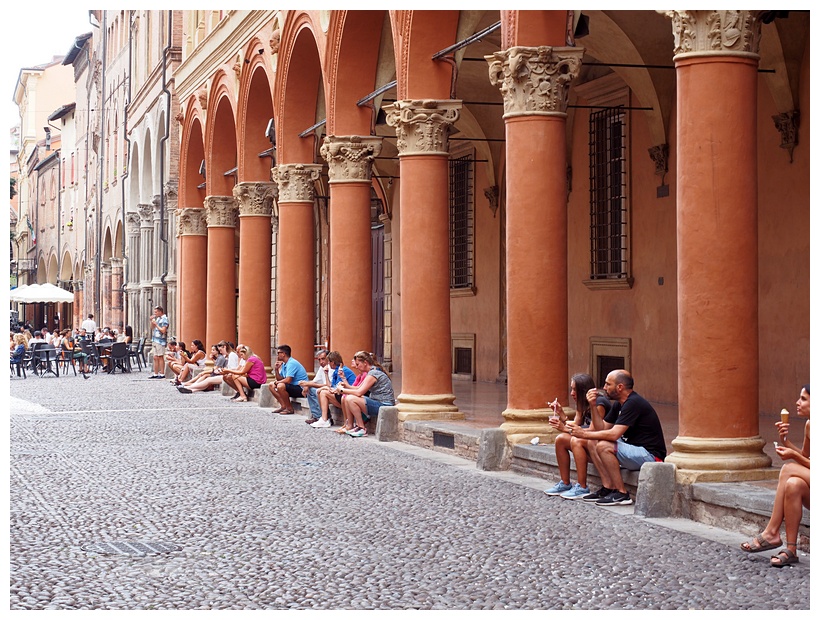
(43, 293)
(16, 291)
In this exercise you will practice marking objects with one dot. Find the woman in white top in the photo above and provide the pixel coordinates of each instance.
(189, 361)
(224, 357)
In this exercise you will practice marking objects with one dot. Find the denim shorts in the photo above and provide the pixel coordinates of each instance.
(373, 407)
(632, 457)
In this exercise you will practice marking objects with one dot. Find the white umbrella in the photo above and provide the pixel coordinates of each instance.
(17, 291)
(37, 293)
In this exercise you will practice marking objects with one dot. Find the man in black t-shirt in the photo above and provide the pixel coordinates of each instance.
(629, 436)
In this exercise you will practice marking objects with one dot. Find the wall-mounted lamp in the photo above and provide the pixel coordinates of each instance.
(202, 168)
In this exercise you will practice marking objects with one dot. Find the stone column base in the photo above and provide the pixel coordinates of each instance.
(736, 459)
(428, 407)
(522, 425)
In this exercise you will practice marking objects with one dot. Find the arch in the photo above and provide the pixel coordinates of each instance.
(297, 89)
(220, 138)
(118, 241)
(134, 177)
(417, 35)
(192, 154)
(146, 170)
(611, 44)
(66, 265)
(107, 249)
(52, 268)
(351, 61)
(255, 111)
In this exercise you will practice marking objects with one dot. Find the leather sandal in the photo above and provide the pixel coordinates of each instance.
(784, 558)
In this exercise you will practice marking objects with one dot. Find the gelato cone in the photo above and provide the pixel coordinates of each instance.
(784, 416)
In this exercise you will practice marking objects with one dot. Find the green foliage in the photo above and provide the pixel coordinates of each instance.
(12, 188)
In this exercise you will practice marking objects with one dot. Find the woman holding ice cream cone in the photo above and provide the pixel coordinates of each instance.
(792, 490)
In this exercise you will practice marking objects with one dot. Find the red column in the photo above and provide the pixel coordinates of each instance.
(220, 296)
(717, 248)
(255, 207)
(422, 128)
(192, 254)
(296, 302)
(534, 82)
(350, 162)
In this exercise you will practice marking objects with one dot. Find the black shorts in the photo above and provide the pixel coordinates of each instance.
(293, 390)
(252, 383)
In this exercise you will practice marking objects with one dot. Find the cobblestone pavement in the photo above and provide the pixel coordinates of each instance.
(271, 514)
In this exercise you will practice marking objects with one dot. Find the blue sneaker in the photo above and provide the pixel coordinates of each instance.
(558, 488)
(576, 492)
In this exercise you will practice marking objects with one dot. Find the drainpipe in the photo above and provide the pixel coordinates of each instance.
(98, 256)
(163, 233)
(127, 140)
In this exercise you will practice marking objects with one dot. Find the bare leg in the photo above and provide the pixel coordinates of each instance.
(579, 451)
(562, 447)
(603, 456)
(357, 407)
(797, 496)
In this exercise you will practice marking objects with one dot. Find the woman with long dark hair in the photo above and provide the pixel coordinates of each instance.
(579, 385)
(792, 490)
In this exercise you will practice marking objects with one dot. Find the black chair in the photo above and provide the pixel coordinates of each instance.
(66, 359)
(32, 356)
(119, 357)
(18, 366)
(135, 352)
(48, 361)
(92, 358)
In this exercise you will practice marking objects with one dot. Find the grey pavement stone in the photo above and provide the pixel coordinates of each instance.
(493, 451)
(272, 514)
(387, 424)
(656, 490)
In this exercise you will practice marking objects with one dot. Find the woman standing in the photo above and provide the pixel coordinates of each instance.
(792, 491)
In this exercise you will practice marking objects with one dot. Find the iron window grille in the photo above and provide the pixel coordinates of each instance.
(608, 195)
(461, 222)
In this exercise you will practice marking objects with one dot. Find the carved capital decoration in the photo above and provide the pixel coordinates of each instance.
(295, 181)
(171, 193)
(715, 32)
(491, 193)
(350, 158)
(275, 39)
(660, 155)
(535, 80)
(423, 126)
(254, 198)
(787, 124)
(221, 211)
(146, 214)
(191, 221)
(132, 222)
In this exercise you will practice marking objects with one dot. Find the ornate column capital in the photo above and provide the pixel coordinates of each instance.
(295, 181)
(191, 221)
(220, 211)
(715, 33)
(350, 158)
(535, 80)
(132, 222)
(255, 198)
(146, 212)
(423, 126)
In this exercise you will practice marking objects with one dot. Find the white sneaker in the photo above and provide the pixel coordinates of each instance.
(320, 423)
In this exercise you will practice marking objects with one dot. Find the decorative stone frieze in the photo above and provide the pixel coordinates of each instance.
(221, 211)
(660, 155)
(787, 124)
(535, 80)
(191, 221)
(715, 32)
(254, 198)
(423, 126)
(295, 181)
(350, 158)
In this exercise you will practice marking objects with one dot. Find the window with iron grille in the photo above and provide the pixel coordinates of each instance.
(608, 195)
(461, 222)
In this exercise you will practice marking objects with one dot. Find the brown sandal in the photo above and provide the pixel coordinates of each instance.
(758, 544)
(784, 558)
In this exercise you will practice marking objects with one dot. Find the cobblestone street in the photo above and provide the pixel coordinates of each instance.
(267, 513)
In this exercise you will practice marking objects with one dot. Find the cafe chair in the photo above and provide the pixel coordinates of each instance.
(119, 357)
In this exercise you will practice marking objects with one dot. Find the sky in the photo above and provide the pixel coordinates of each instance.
(34, 45)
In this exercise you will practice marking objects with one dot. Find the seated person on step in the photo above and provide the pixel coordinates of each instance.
(249, 376)
(189, 361)
(363, 401)
(590, 403)
(631, 436)
(310, 388)
(793, 491)
(288, 373)
(328, 396)
(207, 381)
